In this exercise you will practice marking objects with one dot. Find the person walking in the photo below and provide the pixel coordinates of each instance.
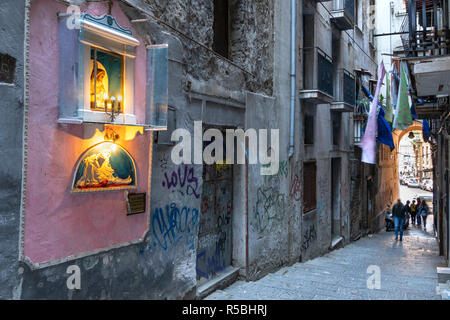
(424, 213)
(413, 212)
(418, 217)
(407, 209)
(399, 213)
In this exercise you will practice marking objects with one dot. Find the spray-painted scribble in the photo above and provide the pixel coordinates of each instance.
(270, 205)
(183, 181)
(309, 237)
(171, 224)
(209, 265)
(294, 188)
(163, 161)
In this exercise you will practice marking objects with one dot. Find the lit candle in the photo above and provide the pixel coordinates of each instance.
(105, 98)
(113, 102)
(119, 101)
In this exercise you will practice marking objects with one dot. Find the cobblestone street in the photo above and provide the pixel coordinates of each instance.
(408, 271)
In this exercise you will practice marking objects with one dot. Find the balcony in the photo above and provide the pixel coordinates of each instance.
(345, 92)
(343, 14)
(430, 108)
(426, 42)
(360, 117)
(426, 30)
(317, 76)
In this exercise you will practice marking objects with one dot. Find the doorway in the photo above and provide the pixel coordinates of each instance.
(336, 197)
(214, 250)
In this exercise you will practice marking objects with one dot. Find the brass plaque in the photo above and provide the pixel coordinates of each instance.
(136, 203)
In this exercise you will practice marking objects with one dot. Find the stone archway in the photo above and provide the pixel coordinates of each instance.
(399, 134)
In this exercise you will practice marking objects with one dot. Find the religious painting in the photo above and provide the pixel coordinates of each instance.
(103, 167)
(106, 79)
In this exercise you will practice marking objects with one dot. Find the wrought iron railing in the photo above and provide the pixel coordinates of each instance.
(349, 8)
(360, 116)
(347, 5)
(349, 88)
(318, 73)
(346, 87)
(426, 28)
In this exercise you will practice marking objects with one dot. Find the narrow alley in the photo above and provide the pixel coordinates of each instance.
(224, 149)
(408, 272)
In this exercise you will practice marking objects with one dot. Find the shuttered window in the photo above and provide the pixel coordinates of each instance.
(309, 186)
(220, 28)
(309, 129)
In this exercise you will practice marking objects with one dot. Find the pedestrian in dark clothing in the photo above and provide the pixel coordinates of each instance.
(424, 213)
(413, 212)
(407, 209)
(419, 217)
(399, 214)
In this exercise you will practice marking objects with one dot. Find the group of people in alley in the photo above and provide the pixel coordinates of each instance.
(417, 212)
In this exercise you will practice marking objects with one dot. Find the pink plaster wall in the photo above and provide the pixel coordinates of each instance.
(57, 223)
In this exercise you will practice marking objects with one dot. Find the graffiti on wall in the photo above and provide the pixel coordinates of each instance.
(271, 202)
(294, 188)
(163, 161)
(172, 224)
(209, 265)
(215, 229)
(182, 180)
(309, 237)
(276, 178)
(271, 205)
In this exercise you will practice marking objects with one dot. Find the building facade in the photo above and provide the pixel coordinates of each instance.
(426, 50)
(92, 186)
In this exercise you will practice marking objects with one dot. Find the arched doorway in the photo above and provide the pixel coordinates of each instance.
(415, 169)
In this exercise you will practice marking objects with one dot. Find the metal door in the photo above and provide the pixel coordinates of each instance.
(215, 229)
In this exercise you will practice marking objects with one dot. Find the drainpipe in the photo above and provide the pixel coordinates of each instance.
(293, 76)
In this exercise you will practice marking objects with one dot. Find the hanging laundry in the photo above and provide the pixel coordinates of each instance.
(369, 139)
(402, 117)
(389, 113)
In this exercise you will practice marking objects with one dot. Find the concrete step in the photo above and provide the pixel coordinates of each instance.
(221, 281)
(443, 274)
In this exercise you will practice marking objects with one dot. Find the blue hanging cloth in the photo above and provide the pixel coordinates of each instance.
(426, 130)
(384, 129)
(413, 112)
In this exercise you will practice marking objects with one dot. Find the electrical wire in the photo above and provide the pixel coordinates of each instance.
(357, 45)
(145, 12)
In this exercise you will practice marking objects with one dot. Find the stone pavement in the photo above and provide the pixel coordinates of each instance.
(408, 271)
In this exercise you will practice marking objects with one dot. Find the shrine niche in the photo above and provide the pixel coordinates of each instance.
(104, 167)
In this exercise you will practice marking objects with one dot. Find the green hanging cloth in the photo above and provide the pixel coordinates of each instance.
(403, 118)
(389, 114)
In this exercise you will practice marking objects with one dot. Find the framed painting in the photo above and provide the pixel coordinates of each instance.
(104, 167)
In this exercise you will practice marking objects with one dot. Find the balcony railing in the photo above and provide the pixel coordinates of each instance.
(318, 73)
(426, 28)
(359, 123)
(343, 14)
(345, 92)
(348, 92)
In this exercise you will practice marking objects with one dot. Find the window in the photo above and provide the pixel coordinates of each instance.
(309, 129)
(336, 128)
(358, 19)
(220, 27)
(97, 75)
(106, 81)
(309, 186)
